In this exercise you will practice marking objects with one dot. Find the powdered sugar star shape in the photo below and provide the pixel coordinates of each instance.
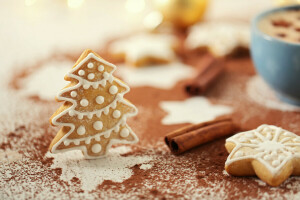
(271, 146)
(161, 76)
(192, 110)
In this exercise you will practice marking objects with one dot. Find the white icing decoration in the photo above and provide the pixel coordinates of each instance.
(271, 146)
(76, 142)
(99, 99)
(106, 110)
(113, 89)
(95, 85)
(116, 129)
(98, 125)
(90, 115)
(86, 86)
(107, 135)
(145, 45)
(100, 68)
(116, 114)
(90, 65)
(87, 140)
(81, 130)
(96, 136)
(73, 94)
(91, 76)
(239, 154)
(84, 102)
(96, 148)
(81, 72)
(79, 115)
(124, 133)
(71, 113)
(66, 143)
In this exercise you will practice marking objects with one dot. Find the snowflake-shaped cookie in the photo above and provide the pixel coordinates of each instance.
(270, 152)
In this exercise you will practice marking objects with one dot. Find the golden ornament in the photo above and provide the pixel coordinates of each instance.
(286, 2)
(182, 13)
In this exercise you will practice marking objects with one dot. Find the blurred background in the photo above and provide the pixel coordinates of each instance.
(33, 30)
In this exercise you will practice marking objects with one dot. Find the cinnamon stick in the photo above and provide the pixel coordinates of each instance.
(191, 136)
(206, 77)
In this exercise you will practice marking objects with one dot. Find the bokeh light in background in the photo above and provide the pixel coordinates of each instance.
(135, 6)
(75, 3)
(30, 2)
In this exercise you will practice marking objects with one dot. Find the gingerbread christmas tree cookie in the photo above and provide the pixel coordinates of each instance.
(270, 152)
(93, 116)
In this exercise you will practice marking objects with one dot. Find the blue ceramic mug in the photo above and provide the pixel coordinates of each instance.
(277, 61)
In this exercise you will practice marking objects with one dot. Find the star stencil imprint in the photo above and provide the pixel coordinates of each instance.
(270, 152)
(192, 110)
(161, 76)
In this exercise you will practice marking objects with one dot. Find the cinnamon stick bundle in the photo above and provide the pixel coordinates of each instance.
(206, 77)
(194, 135)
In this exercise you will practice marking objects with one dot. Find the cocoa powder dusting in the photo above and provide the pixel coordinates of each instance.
(198, 173)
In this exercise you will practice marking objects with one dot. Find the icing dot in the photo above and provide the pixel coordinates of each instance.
(81, 130)
(124, 133)
(73, 94)
(106, 135)
(86, 86)
(116, 114)
(100, 68)
(267, 157)
(99, 99)
(275, 163)
(84, 102)
(91, 76)
(96, 148)
(81, 72)
(281, 157)
(71, 113)
(90, 65)
(113, 89)
(79, 116)
(98, 125)
(66, 143)
(76, 142)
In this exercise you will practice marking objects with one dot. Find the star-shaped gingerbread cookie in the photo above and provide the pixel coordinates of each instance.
(270, 152)
(145, 49)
